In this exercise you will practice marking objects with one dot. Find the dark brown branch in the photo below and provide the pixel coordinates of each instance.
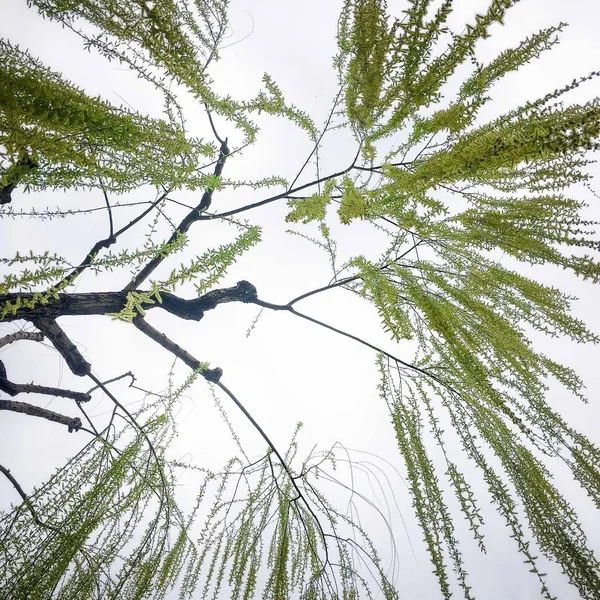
(160, 338)
(212, 125)
(12, 389)
(67, 349)
(111, 226)
(13, 176)
(109, 241)
(101, 303)
(34, 336)
(24, 497)
(35, 411)
(186, 223)
(112, 380)
(285, 194)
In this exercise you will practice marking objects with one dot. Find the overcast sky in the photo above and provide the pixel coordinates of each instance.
(286, 371)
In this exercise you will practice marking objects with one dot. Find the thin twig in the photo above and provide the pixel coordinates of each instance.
(128, 374)
(25, 499)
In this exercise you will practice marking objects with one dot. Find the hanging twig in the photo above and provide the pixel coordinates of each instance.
(25, 499)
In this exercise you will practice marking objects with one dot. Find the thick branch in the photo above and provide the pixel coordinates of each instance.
(35, 411)
(101, 303)
(34, 336)
(13, 176)
(67, 349)
(188, 221)
(160, 338)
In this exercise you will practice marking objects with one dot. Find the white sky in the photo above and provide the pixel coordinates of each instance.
(286, 370)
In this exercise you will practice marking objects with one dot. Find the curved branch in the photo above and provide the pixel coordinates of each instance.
(34, 336)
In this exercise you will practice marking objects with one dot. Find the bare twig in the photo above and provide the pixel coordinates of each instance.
(128, 374)
(285, 194)
(109, 241)
(25, 499)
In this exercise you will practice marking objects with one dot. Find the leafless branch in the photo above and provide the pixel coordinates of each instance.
(128, 374)
(34, 336)
(67, 349)
(35, 411)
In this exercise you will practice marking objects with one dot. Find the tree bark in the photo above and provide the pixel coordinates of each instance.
(35, 411)
(101, 303)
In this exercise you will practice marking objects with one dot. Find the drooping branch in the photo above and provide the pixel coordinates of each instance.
(186, 223)
(6, 472)
(73, 423)
(214, 376)
(34, 336)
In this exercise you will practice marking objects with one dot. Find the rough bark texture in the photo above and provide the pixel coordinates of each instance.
(35, 411)
(67, 349)
(34, 336)
(101, 303)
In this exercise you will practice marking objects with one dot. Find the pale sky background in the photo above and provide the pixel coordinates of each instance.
(287, 370)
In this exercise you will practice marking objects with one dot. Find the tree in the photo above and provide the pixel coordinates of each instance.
(447, 194)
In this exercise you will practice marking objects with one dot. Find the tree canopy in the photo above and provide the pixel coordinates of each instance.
(443, 219)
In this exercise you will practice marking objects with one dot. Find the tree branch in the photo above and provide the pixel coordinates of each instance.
(24, 497)
(67, 349)
(101, 303)
(109, 241)
(113, 379)
(186, 223)
(12, 389)
(35, 411)
(34, 336)
(160, 338)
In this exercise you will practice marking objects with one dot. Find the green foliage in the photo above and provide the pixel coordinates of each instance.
(78, 141)
(453, 198)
